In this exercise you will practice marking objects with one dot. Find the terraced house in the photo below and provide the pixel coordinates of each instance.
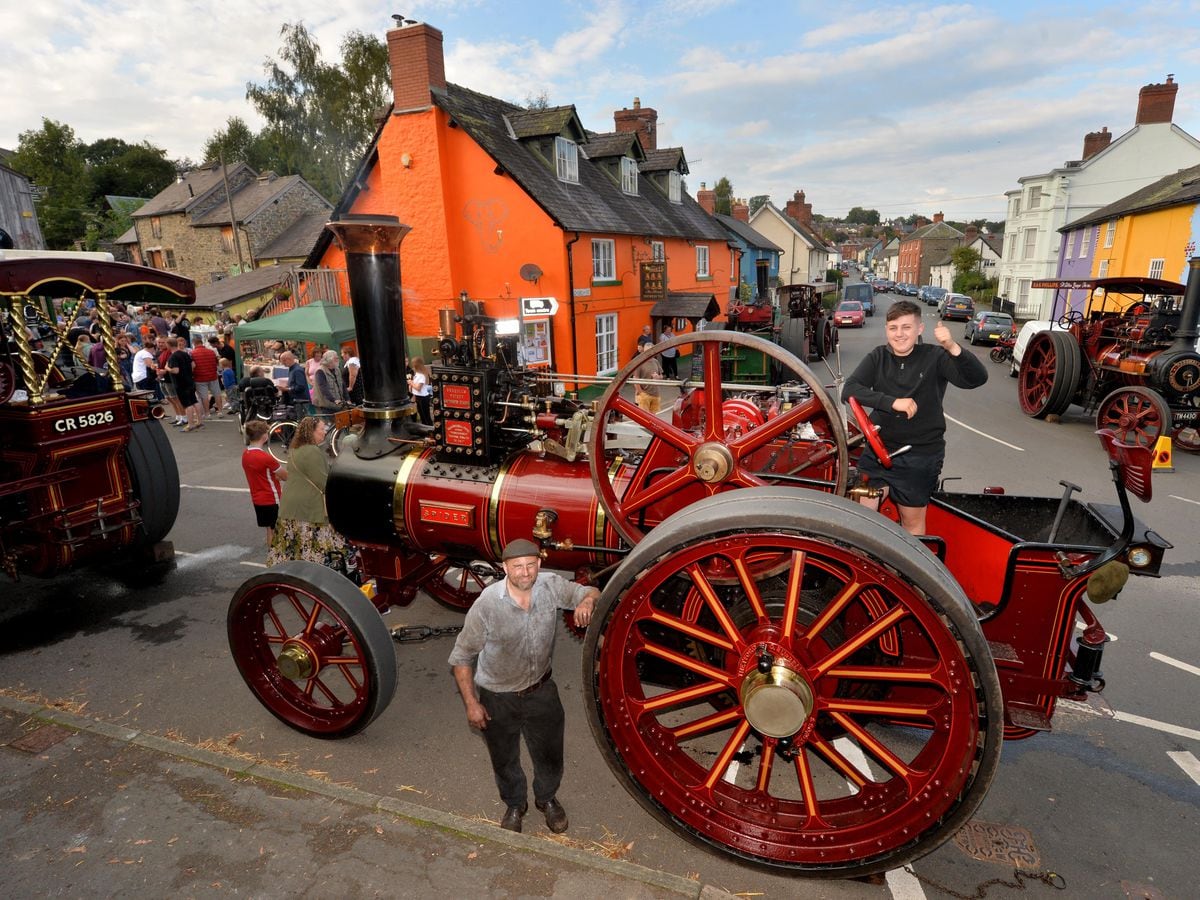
(507, 203)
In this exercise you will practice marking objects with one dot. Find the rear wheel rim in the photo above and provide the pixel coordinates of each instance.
(1136, 415)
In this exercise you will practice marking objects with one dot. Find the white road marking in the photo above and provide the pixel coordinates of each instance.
(985, 434)
(209, 487)
(1187, 762)
(246, 562)
(1184, 499)
(901, 882)
(1161, 657)
(1167, 727)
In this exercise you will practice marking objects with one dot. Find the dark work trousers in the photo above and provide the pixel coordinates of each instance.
(670, 366)
(539, 717)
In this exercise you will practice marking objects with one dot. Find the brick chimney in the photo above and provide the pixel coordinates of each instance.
(969, 234)
(642, 122)
(921, 222)
(1156, 103)
(418, 68)
(938, 217)
(797, 209)
(741, 211)
(1095, 141)
(707, 199)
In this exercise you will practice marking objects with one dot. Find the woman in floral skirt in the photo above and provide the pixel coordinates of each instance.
(303, 530)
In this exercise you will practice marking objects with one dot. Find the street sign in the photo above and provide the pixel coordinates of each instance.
(538, 306)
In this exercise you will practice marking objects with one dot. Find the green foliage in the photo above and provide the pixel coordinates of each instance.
(758, 201)
(321, 117)
(724, 196)
(976, 284)
(53, 159)
(860, 216)
(127, 170)
(834, 275)
(237, 143)
(965, 259)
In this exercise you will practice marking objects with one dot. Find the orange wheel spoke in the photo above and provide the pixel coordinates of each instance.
(695, 631)
(764, 766)
(807, 789)
(652, 423)
(832, 610)
(706, 724)
(718, 608)
(717, 772)
(792, 606)
(848, 770)
(692, 665)
(282, 634)
(881, 708)
(750, 586)
(884, 673)
(684, 695)
(664, 488)
(874, 747)
(859, 641)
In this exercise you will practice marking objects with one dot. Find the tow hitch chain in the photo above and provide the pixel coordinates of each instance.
(411, 634)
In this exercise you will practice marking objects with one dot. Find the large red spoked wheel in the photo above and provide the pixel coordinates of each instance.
(313, 649)
(1137, 415)
(710, 444)
(1050, 371)
(870, 431)
(456, 583)
(791, 679)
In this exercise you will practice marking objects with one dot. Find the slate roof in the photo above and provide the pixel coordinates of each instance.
(176, 198)
(596, 203)
(251, 199)
(664, 159)
(941, 260)
(933, 231)
(614, 143)
(748, 235)
(527, 123)
(297, 240)
(124, 204)
(238, 287)
(808, 234)
(1175, 189)
(686, 305)
(129, 237)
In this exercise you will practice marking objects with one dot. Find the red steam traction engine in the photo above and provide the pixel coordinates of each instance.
(773, 670)
(86, 471)
(1129, 354)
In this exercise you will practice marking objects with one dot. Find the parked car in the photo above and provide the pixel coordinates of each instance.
(863, 293)
(849, 312)
(908, 290)
(1024, 336)
(932, 295)
(987, 327)
(884, 285)
(957, 306)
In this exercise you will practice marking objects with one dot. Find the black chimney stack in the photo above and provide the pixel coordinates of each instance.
(1189, 316)
(372, 247)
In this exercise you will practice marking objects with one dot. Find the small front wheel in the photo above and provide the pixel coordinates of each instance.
(279, 439)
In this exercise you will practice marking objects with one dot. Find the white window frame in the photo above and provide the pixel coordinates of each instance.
(1085, 242)
(658, 251)
(1156, 268)
(1016, 205)
(674, 187)
(604, 260)
(1102, 269)
(733, 265)
(1029, 241)
(606, 343)
(702, 269)
(629, 176)
(1023, 292)
(1035, 197)
(1110, 233)
(566, 159)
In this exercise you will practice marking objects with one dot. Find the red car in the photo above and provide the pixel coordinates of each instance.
(849, 312)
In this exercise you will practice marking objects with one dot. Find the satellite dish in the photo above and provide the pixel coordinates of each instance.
(530, 272)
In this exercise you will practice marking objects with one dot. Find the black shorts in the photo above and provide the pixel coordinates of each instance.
(912, 478)
(267, 515)
(187, 394)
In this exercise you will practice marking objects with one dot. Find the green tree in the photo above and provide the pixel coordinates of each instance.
(52, 158)
(724, 196)
(758, 201)
(965, 260)
(127, 170)
(860, 216)
(320, 117)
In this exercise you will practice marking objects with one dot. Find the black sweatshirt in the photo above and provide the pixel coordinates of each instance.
(882, 377)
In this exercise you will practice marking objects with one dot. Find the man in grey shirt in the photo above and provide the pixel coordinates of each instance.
(508, 636)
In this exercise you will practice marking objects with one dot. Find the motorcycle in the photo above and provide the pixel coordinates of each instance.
(1003, 351)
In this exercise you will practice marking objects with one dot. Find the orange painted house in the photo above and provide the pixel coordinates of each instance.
(508, 203)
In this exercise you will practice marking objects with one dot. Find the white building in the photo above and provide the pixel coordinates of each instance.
(805, 257)
(1110, 169)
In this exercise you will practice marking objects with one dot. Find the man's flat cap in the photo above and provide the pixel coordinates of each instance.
(519, 548)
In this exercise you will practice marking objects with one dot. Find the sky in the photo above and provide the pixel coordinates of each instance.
(903, 108)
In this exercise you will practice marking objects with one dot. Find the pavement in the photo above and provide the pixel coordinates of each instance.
(91, 809)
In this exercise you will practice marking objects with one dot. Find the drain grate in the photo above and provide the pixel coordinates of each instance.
(41, 739)
(1010, 845)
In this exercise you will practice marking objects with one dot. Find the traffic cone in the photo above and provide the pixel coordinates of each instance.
(1163, 461)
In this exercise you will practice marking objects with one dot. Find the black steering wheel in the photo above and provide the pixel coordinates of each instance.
(1070, 317)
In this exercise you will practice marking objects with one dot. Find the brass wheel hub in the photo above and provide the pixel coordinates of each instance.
(777, 702)
(297, 661)
(712, 462)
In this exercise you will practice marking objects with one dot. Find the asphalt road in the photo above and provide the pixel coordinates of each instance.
(1110, 801)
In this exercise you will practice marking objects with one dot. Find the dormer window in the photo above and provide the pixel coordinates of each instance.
(674, 187)
(566, 158)
(629, 175)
